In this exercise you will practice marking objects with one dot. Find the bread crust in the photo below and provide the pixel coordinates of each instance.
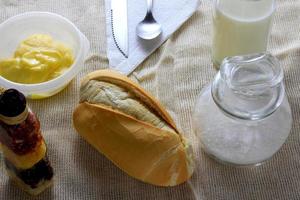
(143, 151)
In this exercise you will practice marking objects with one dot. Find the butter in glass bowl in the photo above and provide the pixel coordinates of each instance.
(37, 59)
(38, 82)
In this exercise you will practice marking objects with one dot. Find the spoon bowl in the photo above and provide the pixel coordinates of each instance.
(148, 29)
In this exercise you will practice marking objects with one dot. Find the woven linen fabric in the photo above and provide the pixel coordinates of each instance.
(175, 74)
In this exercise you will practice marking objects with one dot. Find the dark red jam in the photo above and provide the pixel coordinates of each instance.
(21, 138)
(42, 171)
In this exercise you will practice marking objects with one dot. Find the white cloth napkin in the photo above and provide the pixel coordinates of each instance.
(171, 14)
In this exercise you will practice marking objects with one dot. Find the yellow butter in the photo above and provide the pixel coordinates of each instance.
(37, 59)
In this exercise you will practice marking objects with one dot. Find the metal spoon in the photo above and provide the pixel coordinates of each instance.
(148, 28)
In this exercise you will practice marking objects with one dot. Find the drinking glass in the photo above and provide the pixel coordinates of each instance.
(240, 27)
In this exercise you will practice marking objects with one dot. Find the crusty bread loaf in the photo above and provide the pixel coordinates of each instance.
(125, 123)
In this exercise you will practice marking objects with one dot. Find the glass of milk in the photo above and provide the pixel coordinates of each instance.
(240, 27)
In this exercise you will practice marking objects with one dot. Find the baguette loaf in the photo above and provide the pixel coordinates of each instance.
(126, 124)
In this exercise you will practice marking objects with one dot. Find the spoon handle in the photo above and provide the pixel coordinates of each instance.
(149, 6)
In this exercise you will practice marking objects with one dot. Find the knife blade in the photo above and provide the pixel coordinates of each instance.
(119, 25)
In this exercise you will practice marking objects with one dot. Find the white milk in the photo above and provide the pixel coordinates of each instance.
(240, 27)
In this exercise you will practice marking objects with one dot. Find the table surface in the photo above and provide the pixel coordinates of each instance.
(183, 66)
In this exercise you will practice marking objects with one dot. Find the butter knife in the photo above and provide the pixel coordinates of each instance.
(119, 25)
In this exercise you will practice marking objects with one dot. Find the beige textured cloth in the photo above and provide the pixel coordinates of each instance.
(175, 74)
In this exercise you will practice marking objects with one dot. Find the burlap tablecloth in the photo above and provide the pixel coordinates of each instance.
(175, 74)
